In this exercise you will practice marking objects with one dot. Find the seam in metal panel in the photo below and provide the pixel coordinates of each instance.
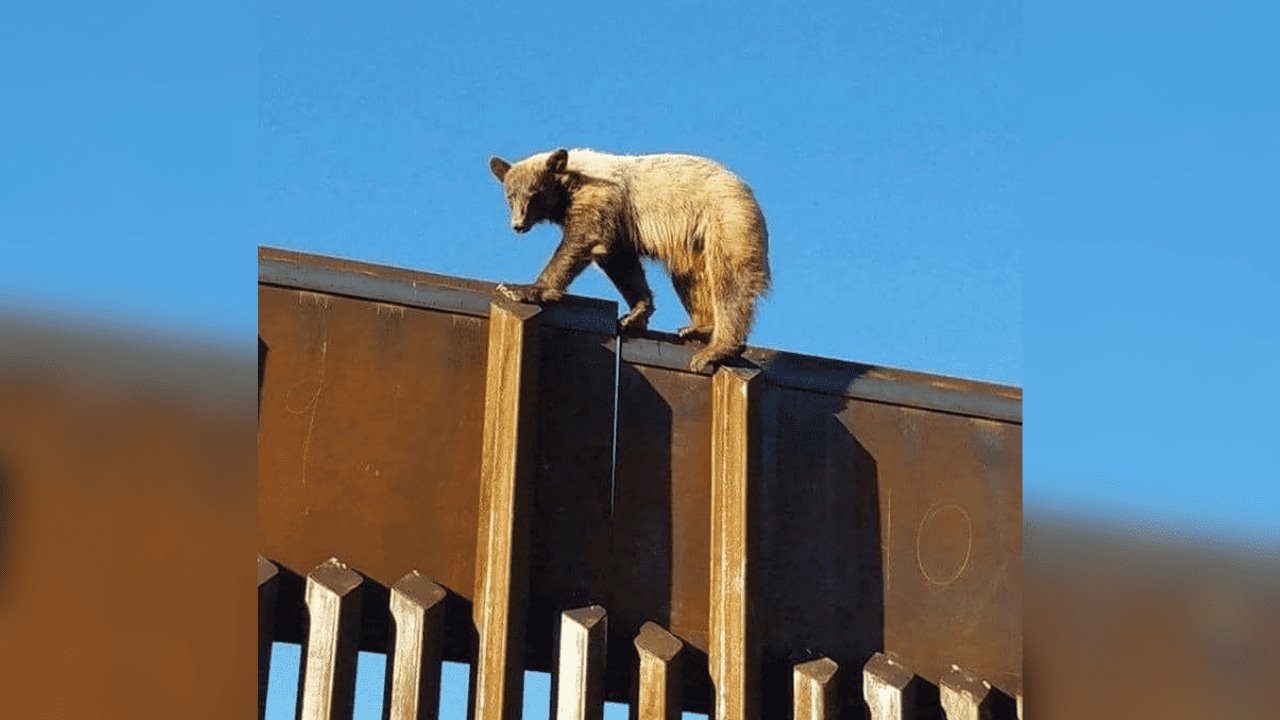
(617, 397)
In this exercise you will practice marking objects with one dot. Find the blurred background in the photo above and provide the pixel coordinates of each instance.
(1077, 200)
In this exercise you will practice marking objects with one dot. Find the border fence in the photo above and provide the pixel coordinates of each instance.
(443, 475)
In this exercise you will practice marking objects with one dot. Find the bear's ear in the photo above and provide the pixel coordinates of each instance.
(558, 161)
(499, 167)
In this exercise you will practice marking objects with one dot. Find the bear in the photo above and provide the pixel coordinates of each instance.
(690, 213)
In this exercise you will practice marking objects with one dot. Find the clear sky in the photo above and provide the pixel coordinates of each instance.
(897, 148)
(1154, 270)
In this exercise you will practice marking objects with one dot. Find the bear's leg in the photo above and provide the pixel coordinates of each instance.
(626, 272)
(566, 263)
(733, 304)
(695, 295)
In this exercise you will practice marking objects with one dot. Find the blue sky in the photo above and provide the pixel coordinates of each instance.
(129, 134)
(1154, 272)
(915, 165)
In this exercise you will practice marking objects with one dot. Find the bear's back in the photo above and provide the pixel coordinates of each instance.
(666, 182)
(678, 202)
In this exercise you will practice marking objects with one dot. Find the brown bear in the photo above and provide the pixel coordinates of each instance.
(689, 212)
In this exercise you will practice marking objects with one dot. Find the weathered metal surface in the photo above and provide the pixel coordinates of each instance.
(925, 508)
(882, 526)
(814, 690)
(889, 689)
(506, 497)
(733, 653)
(327, 690)
(658, 683)
(369, 436)
(413, 676)
(370, 444)
(662, 518)
(889, 502)
(571, 543)
(578, 687)
(268, 582)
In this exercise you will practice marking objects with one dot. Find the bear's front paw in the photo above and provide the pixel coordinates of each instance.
(632, 323)
(637, 320)
(521, 293)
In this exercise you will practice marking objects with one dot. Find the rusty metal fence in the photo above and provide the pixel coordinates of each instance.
(443, 475)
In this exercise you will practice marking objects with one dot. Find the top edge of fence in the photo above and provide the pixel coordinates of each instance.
(412, 288)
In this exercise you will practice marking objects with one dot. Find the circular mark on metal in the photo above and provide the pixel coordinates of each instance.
(943, 543)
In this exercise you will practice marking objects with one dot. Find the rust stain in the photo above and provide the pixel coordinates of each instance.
(312, 404)
(313, 298)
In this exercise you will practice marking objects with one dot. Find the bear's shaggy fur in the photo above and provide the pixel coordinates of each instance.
(689, 212)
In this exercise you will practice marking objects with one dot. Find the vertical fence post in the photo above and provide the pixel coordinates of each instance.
(333, 634)
(813, 688)
(734, 650)
(268, 581)
(413, 678)
(658, 687)
(579, 682)
(502, 543)
(889, 689)
(963, 696)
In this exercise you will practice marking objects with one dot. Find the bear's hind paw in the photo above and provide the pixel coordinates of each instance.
(712, 355)
(693, 332)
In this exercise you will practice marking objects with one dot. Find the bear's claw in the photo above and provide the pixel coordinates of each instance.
(636, 320)
(630, 324)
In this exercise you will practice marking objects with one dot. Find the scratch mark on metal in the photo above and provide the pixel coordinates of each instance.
(968, 550)
(887, 560)
(310, 408)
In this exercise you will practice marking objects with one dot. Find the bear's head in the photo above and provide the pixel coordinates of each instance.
(534, 188)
